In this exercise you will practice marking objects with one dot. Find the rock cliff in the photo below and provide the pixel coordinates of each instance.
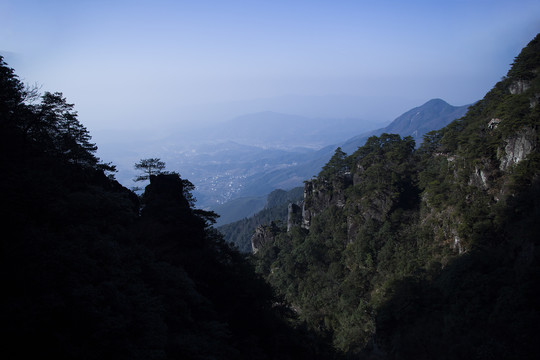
(263, 235)
(517, 147)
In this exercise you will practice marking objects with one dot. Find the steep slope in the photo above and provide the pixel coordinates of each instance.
(431, 252)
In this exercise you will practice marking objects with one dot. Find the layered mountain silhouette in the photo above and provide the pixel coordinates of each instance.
(270, 129)
(432, 115)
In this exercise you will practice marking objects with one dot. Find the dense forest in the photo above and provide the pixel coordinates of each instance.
(91, 271)
(428, 253)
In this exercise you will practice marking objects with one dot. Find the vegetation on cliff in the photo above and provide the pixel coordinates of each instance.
(427, 253)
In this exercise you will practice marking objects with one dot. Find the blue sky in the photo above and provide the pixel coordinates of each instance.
(141, 64)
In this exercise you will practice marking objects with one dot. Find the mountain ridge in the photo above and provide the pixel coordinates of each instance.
(401, 252)
(432, 115)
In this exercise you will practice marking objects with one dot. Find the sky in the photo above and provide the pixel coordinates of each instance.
(154, 64)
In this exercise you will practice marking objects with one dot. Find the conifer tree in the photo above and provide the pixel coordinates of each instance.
(149, 167)
(337, 165)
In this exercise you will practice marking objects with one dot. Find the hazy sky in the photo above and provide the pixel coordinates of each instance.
(142, 63)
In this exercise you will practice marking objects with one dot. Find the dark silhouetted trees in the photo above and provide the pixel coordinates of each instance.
(85, 275)
(149, 167)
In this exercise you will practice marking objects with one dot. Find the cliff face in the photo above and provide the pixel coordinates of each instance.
(380, 179)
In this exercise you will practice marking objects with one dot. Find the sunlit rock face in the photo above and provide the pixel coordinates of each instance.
(519, 87)
(517, 148)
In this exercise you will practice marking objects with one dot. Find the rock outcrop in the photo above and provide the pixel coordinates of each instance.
(294, 216)
(263, 235)
(517, 148)
(319, 194)
(519, 87)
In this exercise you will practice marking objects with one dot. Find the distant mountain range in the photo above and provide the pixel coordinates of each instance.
(270, 129)
(250, 155)
(254, 154)
(432, 115)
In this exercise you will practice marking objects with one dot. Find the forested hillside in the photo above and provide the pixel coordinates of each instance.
(87, 274)
(239, 232)
(429, 253)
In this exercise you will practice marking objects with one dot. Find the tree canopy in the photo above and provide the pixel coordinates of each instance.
(149, 167)
(337, 165)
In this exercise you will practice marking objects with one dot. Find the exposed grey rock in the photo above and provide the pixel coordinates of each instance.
(517, 148)
(263, 235)
(306, 216)
(294, 216)
(493, 124)
(519, 87)
(534, 100)
(482, 174)
(457, 245)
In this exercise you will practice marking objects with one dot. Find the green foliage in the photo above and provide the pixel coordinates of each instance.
(337, 165)
(527, 61)
(280, 197)
(330, 271)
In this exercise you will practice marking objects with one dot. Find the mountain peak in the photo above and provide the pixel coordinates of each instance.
(436, 101)
(432, 115)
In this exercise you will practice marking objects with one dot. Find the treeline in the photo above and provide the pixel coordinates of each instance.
(91, 271)
(428, 253)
